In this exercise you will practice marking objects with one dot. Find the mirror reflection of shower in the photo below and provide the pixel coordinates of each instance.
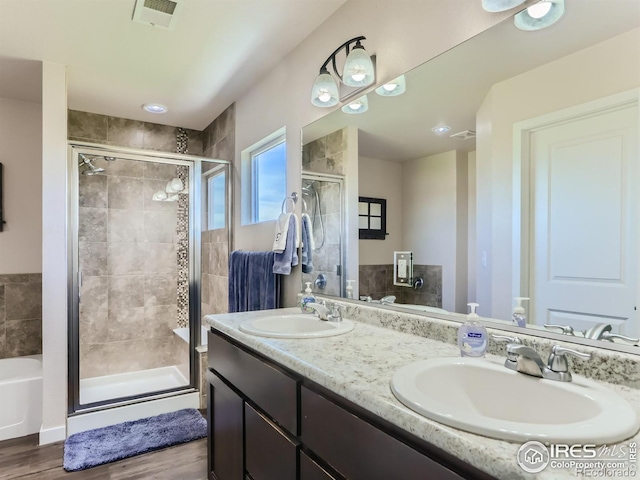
(91, 169)
(311, 206)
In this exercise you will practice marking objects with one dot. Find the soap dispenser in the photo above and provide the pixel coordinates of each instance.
(307, 297)
(350, 288)
(519, 316)
(472, 336)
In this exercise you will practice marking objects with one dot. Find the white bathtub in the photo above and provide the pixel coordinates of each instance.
(20, 396)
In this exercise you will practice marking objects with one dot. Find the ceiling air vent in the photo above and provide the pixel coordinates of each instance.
(157, 13)
(465, 135)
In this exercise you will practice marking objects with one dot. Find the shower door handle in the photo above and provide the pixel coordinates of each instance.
(79, 285)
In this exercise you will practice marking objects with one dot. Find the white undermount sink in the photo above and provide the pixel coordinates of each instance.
(295, 326)
(482, 397)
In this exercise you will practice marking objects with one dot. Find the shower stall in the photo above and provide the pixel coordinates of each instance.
(135, 233)
(322, 200)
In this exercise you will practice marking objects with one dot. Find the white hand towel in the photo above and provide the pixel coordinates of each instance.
(282, 228)
(312, 243)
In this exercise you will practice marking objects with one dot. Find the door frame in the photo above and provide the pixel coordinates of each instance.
(522, 251)
(194, 164)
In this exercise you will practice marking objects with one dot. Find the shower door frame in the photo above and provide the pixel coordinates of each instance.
(194, 164)
(339, 179)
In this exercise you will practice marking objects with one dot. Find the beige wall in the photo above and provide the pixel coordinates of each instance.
(21, 156)
(434, 201)
(382, 179)
(281, 98)
(54, 252)
(604, 69)
(472, 261)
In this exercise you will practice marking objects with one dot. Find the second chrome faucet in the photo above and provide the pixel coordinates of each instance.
(526, 360)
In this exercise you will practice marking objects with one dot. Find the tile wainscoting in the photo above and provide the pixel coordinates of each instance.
(20, 314)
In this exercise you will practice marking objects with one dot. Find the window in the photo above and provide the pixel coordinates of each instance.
(372, 218)
(264, 179)
(216, 195)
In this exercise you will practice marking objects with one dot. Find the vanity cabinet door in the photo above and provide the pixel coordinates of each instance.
(310, 470)
(275, 391)
(270, 453)
(358, 450)
(225, 416)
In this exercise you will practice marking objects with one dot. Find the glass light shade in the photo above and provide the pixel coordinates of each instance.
(159, 196)
(174, 186)
(530, 19)
(393, 88)
(358, 69)
(360, 105)
(325, 91)
(500, 5)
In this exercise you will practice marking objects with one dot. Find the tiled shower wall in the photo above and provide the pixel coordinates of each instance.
(132, 303)
(325, 155)
(377, 282)
(219, 143)
(20, 314)
(127, 256)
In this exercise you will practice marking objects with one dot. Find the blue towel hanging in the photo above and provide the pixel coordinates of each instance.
(252, 283)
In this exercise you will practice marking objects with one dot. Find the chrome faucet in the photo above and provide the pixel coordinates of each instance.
(336, 313)
(388, 300)
(602, 331)
(564, 329)
(526, 360)
(320, 308)
(328, 312)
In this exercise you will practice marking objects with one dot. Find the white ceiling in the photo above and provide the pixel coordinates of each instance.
(218, 49)
(450, 88)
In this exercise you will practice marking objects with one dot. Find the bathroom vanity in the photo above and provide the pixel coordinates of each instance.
(322, 408)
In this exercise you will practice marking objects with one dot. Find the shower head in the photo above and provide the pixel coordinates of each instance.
(91, 168)
(308, 188)
(93, 171)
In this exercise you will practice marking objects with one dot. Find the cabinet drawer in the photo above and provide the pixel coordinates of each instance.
(272, 390)
(269, 453)
(310, 470)
(357, 449)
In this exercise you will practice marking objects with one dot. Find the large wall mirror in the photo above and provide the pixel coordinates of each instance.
(531, 192)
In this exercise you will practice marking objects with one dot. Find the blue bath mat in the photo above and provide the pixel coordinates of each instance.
(108, 444)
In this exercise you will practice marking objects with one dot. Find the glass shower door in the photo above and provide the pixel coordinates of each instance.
(322, 202)
(132, 258)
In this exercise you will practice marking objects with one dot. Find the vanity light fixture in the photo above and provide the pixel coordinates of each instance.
(500, 5)
(359, 105)
(393, 88)
(154, 108)
(358, 71)
(441, 129)
(540, 15)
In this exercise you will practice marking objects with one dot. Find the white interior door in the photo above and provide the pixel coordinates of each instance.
(584, 222)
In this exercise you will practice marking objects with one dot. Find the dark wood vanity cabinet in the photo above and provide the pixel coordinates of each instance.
(268, 423)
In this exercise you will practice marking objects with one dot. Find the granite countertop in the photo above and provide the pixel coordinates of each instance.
(359, 366)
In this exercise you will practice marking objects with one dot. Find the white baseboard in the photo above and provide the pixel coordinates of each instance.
(52, 435)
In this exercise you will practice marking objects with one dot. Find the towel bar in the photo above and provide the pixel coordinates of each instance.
(293, 197)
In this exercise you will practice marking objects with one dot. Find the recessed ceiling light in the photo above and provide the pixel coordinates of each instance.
(440, 129)
(154, 108)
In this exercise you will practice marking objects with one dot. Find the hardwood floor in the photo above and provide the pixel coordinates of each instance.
(23, 458)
